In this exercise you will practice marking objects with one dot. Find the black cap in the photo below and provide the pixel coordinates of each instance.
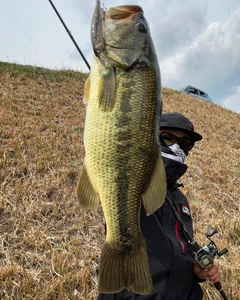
(179, 122)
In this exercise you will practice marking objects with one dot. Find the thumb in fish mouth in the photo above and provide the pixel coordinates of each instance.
(123, 11)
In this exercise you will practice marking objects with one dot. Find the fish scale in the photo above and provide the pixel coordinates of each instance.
(123, 166)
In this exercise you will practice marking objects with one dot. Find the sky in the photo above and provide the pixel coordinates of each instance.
(197, 42)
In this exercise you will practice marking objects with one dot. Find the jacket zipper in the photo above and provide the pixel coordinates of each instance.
(178, 236)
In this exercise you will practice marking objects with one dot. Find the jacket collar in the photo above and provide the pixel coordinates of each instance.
(174, 170)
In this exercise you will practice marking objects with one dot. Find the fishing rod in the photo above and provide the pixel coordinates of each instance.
(203, 256)
(70, 34)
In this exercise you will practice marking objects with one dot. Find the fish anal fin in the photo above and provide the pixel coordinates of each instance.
(86, 196)
(107, 89)
(155, 194)
(120, 270)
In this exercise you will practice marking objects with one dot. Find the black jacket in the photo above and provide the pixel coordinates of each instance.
(170, 256)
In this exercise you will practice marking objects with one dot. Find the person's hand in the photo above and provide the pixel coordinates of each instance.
(212, 274)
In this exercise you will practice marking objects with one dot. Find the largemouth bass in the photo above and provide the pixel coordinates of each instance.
(123, 165)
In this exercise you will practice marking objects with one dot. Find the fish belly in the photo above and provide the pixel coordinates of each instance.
(121, 153)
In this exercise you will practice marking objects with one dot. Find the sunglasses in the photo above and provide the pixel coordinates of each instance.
(184, 143)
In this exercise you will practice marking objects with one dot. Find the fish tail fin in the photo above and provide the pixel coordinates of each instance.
(86, 196)
(119, 270)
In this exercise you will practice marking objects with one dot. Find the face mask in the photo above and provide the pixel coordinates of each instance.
(177, 153)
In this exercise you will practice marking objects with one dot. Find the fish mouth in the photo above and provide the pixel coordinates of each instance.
(123, 11)
(98, 20)
(97, 29)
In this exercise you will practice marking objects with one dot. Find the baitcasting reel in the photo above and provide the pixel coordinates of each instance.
(204, 257)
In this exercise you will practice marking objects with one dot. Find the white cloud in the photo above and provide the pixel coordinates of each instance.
(209, 61)
(176, 24)
(233, 102)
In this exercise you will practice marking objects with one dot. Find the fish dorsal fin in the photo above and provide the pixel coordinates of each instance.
(107, 89)
(87, 90)
(155, 193)
(86, 195)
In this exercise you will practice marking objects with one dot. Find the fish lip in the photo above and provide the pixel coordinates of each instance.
(97, 29)
(98, 22)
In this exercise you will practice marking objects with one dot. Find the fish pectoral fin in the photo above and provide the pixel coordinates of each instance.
(86, 90)
(155, 193)
(107, 89)
(119, 270)
(86, 195)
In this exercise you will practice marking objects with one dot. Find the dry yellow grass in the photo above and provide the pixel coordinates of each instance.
(49, 249)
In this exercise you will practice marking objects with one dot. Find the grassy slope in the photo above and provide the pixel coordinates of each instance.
(49, 248)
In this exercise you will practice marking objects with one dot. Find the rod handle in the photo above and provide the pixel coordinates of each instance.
(218, 286)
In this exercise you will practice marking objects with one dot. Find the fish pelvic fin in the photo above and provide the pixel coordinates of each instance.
(155, 194)
(119, 270)
(86, 195)
(107, 89)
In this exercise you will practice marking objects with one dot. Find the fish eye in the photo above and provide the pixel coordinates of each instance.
(141, 26)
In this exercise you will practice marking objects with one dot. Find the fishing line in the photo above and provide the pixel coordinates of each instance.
(23, 30)
(38, 61)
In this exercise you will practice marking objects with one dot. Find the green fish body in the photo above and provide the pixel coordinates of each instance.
(123, 165)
